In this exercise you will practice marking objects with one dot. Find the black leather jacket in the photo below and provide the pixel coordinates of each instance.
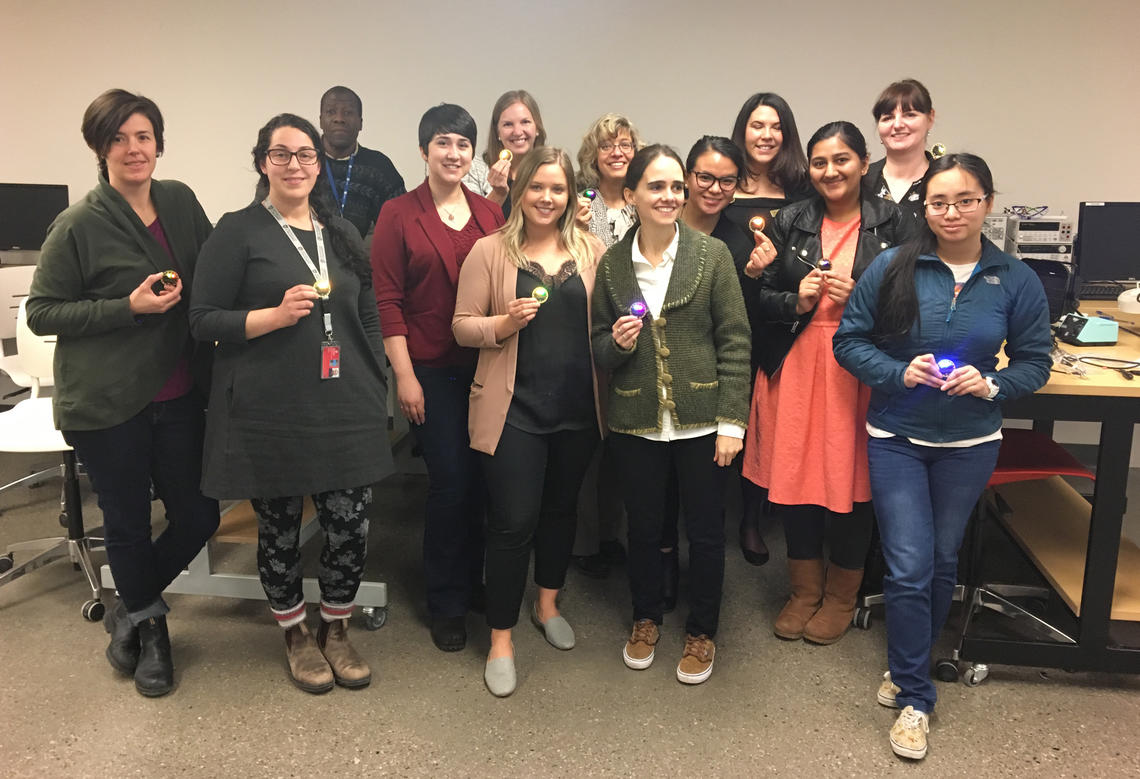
(795, 234)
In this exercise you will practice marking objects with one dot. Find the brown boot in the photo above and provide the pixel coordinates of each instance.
(348, 666)
(806, 578)
(834, 616)
(307, 666)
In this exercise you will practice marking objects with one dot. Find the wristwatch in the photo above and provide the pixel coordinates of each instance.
(994, 388)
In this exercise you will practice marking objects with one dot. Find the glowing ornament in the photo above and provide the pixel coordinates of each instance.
(540, 294)
(638, 309)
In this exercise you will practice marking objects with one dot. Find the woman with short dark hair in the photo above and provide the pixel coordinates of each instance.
(422, 240)
(113, 284)
(298, 404)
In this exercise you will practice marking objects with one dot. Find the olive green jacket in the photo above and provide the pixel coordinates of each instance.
(692, 361)
(109, 363)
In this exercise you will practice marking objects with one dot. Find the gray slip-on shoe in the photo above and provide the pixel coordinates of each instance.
(499, 676)
(557, 630)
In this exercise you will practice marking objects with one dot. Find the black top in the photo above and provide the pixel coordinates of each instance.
(374, 181)
(553, 378)
(740, 244)
(741, 210)
(874, 184)
(274, 427)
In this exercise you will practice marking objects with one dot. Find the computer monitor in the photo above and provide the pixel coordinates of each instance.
(26, 210)
(1107, 247)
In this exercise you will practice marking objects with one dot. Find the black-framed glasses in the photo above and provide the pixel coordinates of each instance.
(966, 205)
(625, 147)
(705, 180)
(306, 156)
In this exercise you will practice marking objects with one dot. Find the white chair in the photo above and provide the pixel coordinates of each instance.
(15, 281)
(29, 427)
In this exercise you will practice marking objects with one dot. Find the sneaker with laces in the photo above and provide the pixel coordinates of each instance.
(908, 734)
(697, 659)
(638, 651)
(887, 692)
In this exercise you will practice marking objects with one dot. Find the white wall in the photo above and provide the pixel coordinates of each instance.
(1046, 91)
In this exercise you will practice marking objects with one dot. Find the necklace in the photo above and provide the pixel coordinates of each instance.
(450, 214)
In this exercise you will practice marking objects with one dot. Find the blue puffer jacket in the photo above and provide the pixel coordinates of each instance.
(1002, 301)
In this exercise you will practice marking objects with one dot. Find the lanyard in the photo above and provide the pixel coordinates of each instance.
(320, 270)
(340, 196)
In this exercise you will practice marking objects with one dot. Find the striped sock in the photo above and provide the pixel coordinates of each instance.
(331, 612)
(290, 617)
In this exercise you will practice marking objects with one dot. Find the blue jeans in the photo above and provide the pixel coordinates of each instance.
(923, 498)
(453, 527)
(162, 444)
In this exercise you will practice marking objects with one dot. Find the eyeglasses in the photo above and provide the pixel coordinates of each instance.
(305, 156)
(966, 205)
(705, 180)
(625, 147)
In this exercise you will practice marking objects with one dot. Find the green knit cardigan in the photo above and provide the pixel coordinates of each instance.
(692, 361)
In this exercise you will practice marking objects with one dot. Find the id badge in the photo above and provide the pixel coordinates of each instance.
(330, 360)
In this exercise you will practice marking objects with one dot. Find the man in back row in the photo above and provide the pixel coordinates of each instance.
(356, 180)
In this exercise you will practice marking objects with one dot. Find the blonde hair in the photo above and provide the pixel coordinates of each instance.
(606, 128)
(505, 101)
(570, 236)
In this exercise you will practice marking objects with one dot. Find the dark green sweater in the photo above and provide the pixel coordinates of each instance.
(692, 360)
(109, 364)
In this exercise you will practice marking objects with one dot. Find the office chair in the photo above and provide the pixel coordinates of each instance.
(29, 427)
(15, 281)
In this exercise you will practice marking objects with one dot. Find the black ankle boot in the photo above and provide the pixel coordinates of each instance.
(154, 675)
(123, 651)
(669, 585)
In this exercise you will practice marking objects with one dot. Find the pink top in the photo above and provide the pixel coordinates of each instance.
(180, 381)
(806, 440)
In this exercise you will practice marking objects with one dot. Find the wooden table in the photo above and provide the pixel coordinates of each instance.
(1103, 396)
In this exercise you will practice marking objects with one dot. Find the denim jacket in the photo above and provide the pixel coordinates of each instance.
(1003, 301)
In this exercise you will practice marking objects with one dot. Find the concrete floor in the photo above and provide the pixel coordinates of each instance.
(770, 708)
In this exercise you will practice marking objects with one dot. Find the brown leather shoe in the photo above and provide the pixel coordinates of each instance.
(806, 578)
(307, 666)
(347, 665)
(834, 617)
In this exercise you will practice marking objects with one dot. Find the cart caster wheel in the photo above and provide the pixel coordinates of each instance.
(375, 617)
(6, 563)
(93, 610)
(862, 618)
(975, 675)
(946, 670)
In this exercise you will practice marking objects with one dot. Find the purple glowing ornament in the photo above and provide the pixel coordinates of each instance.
(638, 309)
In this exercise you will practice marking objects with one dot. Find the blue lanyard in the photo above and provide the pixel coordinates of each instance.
(340, 196)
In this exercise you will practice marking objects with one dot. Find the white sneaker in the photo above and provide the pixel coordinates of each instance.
(908, 734)
(887, 692)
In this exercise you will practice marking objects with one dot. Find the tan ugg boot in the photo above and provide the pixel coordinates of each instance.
(347, 665)
(834, 616)
(806, 578)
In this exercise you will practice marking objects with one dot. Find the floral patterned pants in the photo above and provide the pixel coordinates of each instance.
(343, 515)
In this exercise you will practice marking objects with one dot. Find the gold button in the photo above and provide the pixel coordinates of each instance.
(659, 321)
(666, 379)
(670, 405)
(663, 351)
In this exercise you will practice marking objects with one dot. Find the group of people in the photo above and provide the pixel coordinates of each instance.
(645, 324)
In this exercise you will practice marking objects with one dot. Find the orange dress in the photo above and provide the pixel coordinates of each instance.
(807, 437)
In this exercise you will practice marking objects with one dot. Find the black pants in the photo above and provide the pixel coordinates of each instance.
(162, 444)
(343, 515)
(533, 482)
(453, 525)
(848, 536)
(645, 468)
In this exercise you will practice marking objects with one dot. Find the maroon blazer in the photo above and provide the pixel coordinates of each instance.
(415, 272)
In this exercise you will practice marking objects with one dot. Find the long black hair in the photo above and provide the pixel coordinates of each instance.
(898, 298)
(789, 169)
(352, 252)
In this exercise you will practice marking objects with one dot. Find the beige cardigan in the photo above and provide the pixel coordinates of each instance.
(487, 283)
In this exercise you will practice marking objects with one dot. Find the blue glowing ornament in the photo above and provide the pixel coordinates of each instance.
(638, 309)
(946, 366)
